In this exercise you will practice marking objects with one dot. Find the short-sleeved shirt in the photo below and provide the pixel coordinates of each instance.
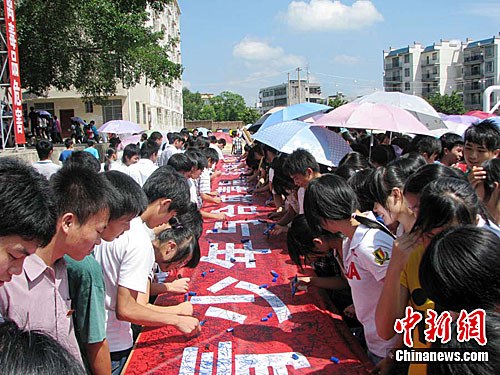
(366, 258)
(141, 170)
(86, 288)
(64, 155)
(126, 262)
(92, 151)
(166, 154)
(46, 168)
(39, 299)
(204, 183)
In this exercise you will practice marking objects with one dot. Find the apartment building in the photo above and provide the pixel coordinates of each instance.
(481, 69)
(291, 92)
(153, 108)
(466, 67)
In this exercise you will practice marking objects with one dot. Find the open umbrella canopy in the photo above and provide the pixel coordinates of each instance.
(120, 127)
(415, 105)
(372, 116)
(79, 120)
(203, 131)
(295, 112)
(480, 114)
(460, 119)
(226, 136)
(327, 147)
(44, 113)
(256, 126)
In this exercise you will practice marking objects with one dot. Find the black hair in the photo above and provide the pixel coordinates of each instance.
(191, 219)
(81, 191)
(447, 201)
(328, 197)
(181, 162)
(300, 238)
(27, 203)
(34, 353)
(402, 141)
(175, 137)
(222, 141)
(107, 158)
(360, 182)
(149, 148)
(282, 182)
(212, 139)
(155, 136)
(187, 244)
(130, 151)
(448, 141)
(299, 161)
(201, 143)
(90, 143)
(129, 198)
(492, 169)
(383, 154)
(83, 159)
(384, 180)
(211, 153)
(356, 160)
(198, 158)
(252, 161)
(68, 142)
(43, 149)
(459, 269)
(492, 349)
(360, 148)
(485, 133)
(166, 183)
(425, 144)
(427, 173)
(408, 163)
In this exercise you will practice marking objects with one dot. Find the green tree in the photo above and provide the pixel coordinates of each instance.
(92, 46)
(192, 104)
(448, 104)
(250, 115)
(207, 113)
(338, 101)
(228, 106)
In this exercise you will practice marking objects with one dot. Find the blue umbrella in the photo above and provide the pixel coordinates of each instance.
(295, 112)
(327, 147)
(43, 113)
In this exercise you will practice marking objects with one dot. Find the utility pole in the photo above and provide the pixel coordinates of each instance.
(308, 94)
(288, 92)
(298, 81)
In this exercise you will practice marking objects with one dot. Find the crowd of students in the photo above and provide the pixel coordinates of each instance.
(82, 251)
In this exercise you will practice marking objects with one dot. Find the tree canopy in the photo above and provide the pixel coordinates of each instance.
(92, 45)
(448, 104)
(338, 101)
(227, 106)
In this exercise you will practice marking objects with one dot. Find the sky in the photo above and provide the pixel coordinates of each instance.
(244, 45)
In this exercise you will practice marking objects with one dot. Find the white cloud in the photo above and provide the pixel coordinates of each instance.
(328, 15)
(483, 9)
(257, 52)
(346, 59)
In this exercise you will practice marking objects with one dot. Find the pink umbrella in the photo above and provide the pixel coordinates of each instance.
(226, 136)
(461, 119)
(120, 127)
(480, 114)
(373, 116)
(133, 139)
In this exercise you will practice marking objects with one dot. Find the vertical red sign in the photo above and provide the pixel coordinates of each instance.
(15, 77)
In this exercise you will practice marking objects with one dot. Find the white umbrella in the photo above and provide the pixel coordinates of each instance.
(327, 147)
(417, 106)
(120, 127)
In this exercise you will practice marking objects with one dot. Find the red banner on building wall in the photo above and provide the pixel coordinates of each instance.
(15, 77)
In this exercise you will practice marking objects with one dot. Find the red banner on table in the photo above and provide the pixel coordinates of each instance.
(15, 77)
(251, 322)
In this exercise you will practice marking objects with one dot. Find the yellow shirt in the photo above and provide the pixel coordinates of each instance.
(418, 301)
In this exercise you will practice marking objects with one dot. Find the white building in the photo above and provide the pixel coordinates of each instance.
(481, 70)
(289, 93)
(153, 108)
(402, 70)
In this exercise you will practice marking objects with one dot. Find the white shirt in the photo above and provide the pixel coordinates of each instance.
(127, 262)
(219, 151)
(141, 170)
(46, 168)
(193, 191)
(365, 272)
(166, 154)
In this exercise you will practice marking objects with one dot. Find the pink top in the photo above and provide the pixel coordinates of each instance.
(38, 299)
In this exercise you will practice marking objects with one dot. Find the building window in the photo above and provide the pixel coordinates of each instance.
(49, 107)
(407, 72)
(144, 114)
(159, 117)
(407, 59)
(489, 67)
(138, 112)
(112, 110)
(407, 86)
(488, 51)
(434, 56)
(89, 106)
(489, 82)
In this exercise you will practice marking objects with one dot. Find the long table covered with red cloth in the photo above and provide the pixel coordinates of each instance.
(251, 322)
